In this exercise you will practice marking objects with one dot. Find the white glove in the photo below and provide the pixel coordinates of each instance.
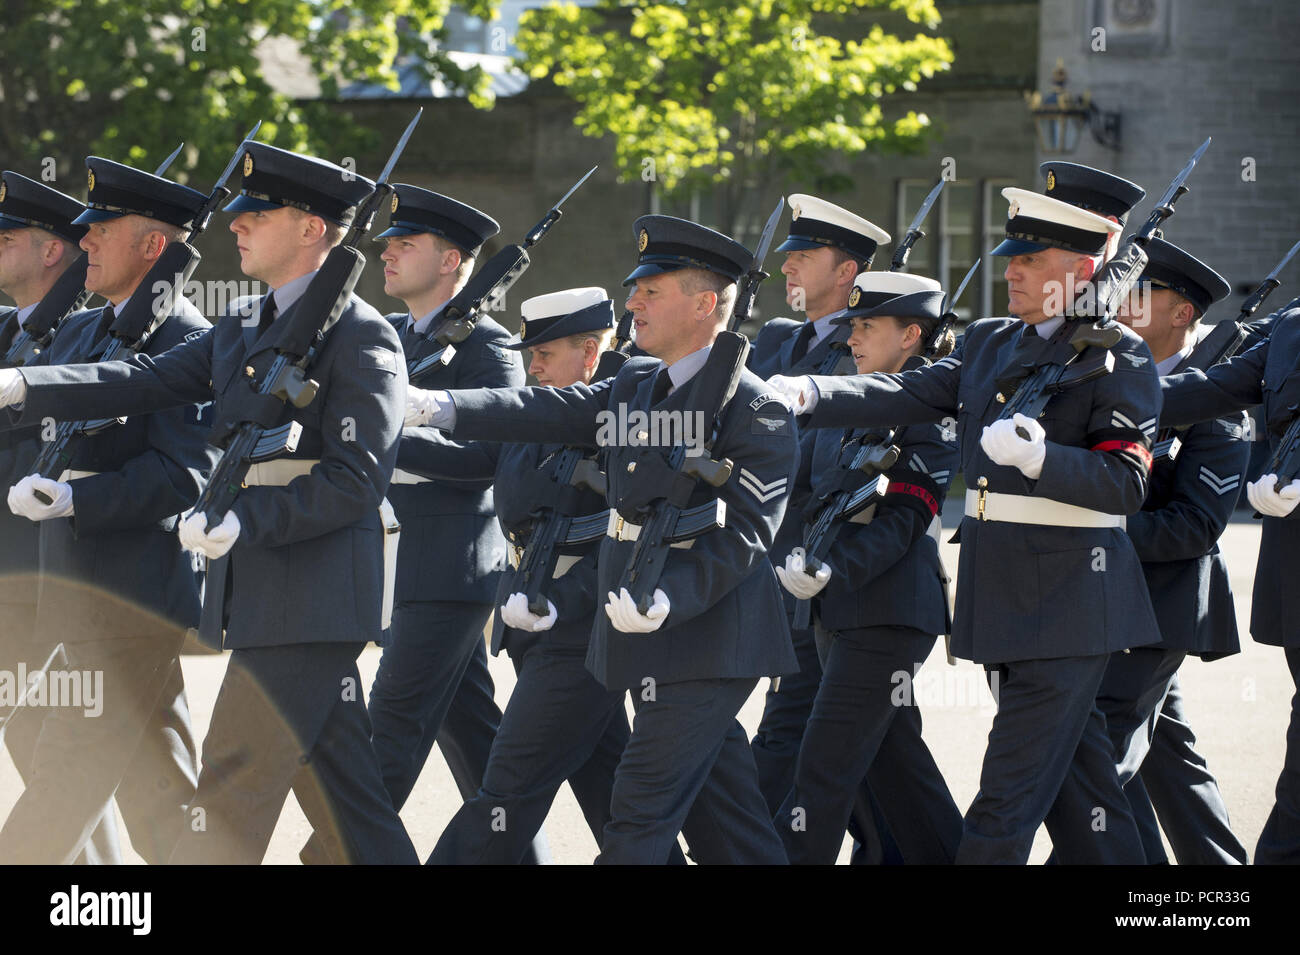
(515, 613)
(1003, 446)
(24, 502)
(1265, 498)
(13, 387)
(625, 617)
(795, 579)
(422, 406)
(799, 392)
(211, 545)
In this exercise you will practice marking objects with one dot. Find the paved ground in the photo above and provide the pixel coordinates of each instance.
(1239, 707)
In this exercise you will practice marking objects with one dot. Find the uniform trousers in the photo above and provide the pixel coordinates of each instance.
(688, 767)
(856, 710)
(560, 724)
(292, 718)
(1175, 784)
(1046, 726)
(1134, 694)
(1279, 842)
(139, 747)
(785, 714)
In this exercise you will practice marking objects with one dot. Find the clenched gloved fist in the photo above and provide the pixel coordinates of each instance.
(1004, 446)
(1268, 500)
(799, 392)
(797, 580)
(13, 387)
(515, 613)
(194, 536)
(423, 406)
(24, 502)
(625, 617)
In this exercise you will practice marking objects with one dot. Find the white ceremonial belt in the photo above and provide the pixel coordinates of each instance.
(281, 471)
(406, 477)
(71, 475)
(563, 562)
(278, 472)
(1021, 509)
(622, 530)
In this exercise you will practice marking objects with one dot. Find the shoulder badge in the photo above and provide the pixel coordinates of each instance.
(197, 333)
(1136, 360)
(248, 164)
(642, 240)
(854, 297)
(1051, 180)
(764, 398)
(90, 179)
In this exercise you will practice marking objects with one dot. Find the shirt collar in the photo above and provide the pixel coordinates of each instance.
(422, 324)
(823, 327)
(1047, 328)
(288, 293)
(684, 369)
(23, 312)
(1167, 365)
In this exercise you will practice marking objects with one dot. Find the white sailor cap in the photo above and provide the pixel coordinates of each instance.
(1036, 222)
(815, 223)
(560, 314)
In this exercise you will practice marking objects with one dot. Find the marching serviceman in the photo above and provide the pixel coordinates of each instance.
(880, 598)
(433, 681)
(1049, 585)
(38, 242)
(110, 513)
(826, 249)
(560, 723)
(295, 576)
(1195, 482)
(1265, 374)
(713, 628)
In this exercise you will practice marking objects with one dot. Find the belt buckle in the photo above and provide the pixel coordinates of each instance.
(618, 528)
(983, 495)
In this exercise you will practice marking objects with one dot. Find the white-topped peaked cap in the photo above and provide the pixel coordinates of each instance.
(815, 223)
(875, 288)
(560, 314)
(1036, 222)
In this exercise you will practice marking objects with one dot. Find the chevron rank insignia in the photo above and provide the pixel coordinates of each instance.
(1137, 361)
(1219, 485)
(917, 464)
(761, 491)
(1120, 420)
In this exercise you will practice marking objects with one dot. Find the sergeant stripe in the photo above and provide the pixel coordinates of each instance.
(916, 491)
(1141, 453)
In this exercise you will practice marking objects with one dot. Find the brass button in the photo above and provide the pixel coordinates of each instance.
(1002, 399)
(248, 370)
(631, 466)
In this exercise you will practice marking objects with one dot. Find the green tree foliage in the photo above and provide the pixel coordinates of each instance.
(737, 96)
(128, 79)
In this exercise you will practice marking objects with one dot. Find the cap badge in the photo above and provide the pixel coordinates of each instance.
(642, 240)
(795, 212)
(4, 188)
(1051, 180)
(523, 330)
(248, 164)
(854, 297)
(90, 179)
(1013, 208)
(393, 206)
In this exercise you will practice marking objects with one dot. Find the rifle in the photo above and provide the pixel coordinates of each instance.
(860, 471)
(660, 509)
(1027, 390)
(1221, 344)
(838, 350)
(613, 358)
(750, 281)
(67, 295)
(259, 436)
(156, 295)
(453, 322)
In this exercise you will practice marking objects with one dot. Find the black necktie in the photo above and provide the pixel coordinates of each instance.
(801, 341)
(106, 319)
(663, 382)
(267, 315)
(409, 337)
